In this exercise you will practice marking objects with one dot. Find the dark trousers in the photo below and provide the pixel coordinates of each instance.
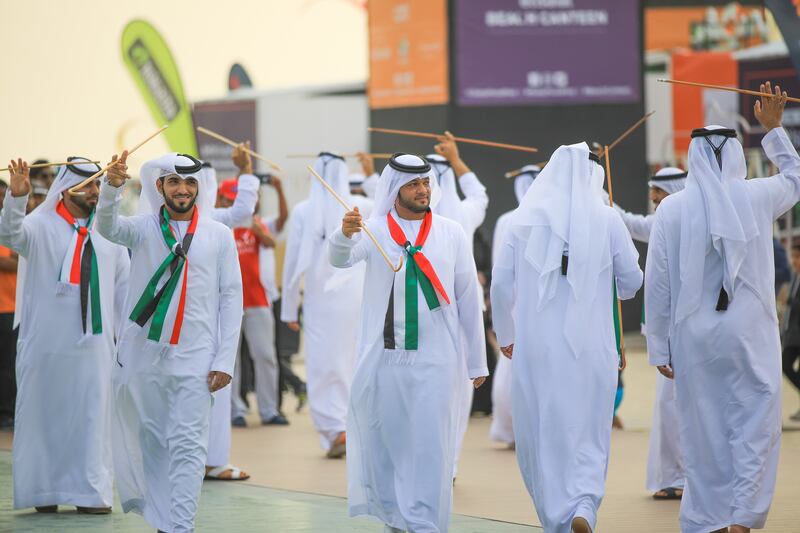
(8, 357)
(790, 356)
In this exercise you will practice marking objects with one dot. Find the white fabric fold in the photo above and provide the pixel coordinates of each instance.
(561, 214)
(718, 215)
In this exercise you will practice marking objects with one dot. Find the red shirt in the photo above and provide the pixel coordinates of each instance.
(247, 245)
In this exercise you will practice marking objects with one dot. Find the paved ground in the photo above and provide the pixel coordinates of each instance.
(295, 489)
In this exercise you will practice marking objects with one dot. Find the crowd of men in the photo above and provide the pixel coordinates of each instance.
(159, 323)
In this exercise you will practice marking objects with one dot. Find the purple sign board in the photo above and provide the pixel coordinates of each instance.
(512, 52)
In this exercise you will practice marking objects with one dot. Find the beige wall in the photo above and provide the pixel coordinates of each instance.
(65, 91)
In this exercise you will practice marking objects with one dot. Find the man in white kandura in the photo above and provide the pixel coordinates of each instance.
(402, 424)
(71, 285)
(469, 212)
(665, 476)
(552, 307)
(331, 301)
(712, 323)
(502, 428)
(178, 344)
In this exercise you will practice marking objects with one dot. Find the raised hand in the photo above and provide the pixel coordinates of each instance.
(241, 158)
(447, 147)
(367, 164)
(769, 111)
(118, 174)
(351, 223)
(20, 179)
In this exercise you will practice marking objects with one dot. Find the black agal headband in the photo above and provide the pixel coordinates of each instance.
(705, 133)
(668, 177)
(594, 157)
(189, 169)
(409, 169)
(329, 154)
(73, 162)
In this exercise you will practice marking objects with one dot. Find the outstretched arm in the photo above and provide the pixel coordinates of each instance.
(121, 230)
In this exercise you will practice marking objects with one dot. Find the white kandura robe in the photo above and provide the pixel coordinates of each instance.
(62, 433)
(664, 463)
(502, 427)
(562, 404)
(219, 427)
(331, 307)
(161, 392)
(402, 426)
(470, 213)
(727, 364)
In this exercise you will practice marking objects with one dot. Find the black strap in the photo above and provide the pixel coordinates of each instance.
(722, 301)
(86, 277)
(717, 149)
(388, 322)
(564, 264)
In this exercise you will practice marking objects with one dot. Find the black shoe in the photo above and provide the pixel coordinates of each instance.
(277, 420)
(239, 422)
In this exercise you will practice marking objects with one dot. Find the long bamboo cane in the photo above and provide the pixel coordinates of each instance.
(458, 139)
(74, 190)
(622, 360)
(230, 142)
(363, 225)
(725, 88)
(60, 163)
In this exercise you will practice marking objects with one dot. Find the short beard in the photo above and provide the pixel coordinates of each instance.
(178, 209)
(414, 208)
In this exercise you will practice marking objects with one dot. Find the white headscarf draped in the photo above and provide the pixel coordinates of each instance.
(669, 186)
(208, 181)
(716, 214)
(562, 213)
(391, 180)
(324, 213)
(65, 179)
(450, 204)
(151, 200)
(524, 180)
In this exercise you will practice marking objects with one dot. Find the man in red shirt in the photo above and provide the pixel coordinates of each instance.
(258, 322)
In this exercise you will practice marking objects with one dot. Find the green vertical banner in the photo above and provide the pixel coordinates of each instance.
(617, 324)
(155, 72)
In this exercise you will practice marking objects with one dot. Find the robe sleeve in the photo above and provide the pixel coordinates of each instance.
(784, 188)
(241, 212)
(121, 289)
(290, 294)
(117, 229)
(370, 184)
(627, 273)
(475, 199)
(14, 233)
(230, 307)
(468, 298)
(344, 252)
(638, 225)
(657, 308)
(503, 292)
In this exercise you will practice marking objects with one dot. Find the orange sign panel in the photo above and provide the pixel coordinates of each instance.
(407, 53)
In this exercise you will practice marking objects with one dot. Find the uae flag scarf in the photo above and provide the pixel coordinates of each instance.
(79, 269)
(155, 302)
(418, 272)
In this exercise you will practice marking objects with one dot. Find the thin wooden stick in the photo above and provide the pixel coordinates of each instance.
(312, 156)
(74, 190)
(725, 88)
(459, 139)
(43, 165)
(233, 143)
(622, 361)
(363, 225)
(628, 132)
